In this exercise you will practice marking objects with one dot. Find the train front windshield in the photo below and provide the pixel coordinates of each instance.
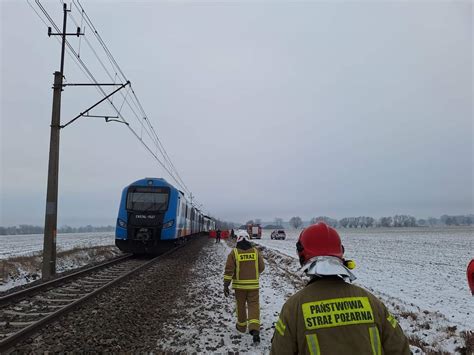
(148, 199)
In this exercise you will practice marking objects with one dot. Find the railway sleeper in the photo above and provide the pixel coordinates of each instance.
(94, 286)
(116, 268)
(107, 279)
(3, 336)
(71, 294)
(15, 324)
(36, 314)
(80, 287)
(92, 281)
(99, 283)
(58, 300)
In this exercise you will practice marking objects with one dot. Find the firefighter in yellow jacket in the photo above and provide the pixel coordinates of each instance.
(330, 315)
(243, 268)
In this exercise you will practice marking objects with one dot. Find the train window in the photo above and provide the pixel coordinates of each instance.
(144, 199)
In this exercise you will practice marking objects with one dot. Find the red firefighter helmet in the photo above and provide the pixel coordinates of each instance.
(470, 276)
(318, 240)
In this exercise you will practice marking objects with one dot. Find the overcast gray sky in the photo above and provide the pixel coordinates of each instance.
(266, 109)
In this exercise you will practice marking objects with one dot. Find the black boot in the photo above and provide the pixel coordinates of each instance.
(256, 336)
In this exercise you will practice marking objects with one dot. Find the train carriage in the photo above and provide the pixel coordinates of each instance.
(153, 216)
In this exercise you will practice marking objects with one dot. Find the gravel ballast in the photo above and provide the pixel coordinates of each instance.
(129, 316)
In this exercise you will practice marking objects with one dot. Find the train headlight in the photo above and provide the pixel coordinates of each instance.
(121, 223)
(168, 224)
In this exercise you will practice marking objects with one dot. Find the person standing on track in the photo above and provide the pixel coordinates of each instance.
(218, 236)
(243, 268)
(330, 315)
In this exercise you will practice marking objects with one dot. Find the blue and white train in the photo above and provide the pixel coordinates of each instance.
(154, 215)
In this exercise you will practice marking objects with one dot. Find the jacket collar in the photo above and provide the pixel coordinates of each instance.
(321, 266)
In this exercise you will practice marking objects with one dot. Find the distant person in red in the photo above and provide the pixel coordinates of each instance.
(470, 276)
(218, 236)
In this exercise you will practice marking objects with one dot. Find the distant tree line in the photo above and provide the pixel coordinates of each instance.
(399, 220)
(405, 221)
(294, 222)
(29, 229)
(396, 221)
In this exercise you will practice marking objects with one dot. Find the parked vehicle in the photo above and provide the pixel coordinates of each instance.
(278, 234)
(254, 231)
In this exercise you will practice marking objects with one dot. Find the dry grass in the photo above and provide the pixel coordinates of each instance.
(436, 352)
(451, 331)
(425, 325)
(12, 267)
(416, 341)
(424, 346)
(406, 314)
(468, 348)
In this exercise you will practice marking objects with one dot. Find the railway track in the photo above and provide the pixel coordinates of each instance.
(24, 312)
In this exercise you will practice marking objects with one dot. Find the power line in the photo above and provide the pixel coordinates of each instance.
(171, 170)
(137, 102)
(112, 59)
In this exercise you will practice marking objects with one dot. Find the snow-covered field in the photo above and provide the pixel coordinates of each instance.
(16, 245)
(420, 271)
(418, 274)
(19, 272)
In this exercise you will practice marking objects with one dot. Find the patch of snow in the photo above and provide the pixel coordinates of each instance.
(16, 245)
(209, 326)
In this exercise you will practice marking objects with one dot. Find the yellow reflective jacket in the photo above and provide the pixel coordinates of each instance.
(243, 268)
(330, 316)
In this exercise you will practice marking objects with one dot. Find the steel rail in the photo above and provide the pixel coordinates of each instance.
(33, 289)
(7, 343)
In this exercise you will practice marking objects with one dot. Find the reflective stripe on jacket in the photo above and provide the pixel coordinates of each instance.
(243, 269)
(330, 316)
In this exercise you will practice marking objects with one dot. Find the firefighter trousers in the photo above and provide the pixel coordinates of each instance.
(248, 310)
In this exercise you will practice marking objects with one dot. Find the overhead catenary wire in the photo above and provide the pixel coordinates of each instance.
(114, 62)
(107, 51)
(102, 91)
(112, 78)
(91, 76)
(136, 102)
(170, 169)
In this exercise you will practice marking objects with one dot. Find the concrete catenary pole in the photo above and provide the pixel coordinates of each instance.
(51, 216)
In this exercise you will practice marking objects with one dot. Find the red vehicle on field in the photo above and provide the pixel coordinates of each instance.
(254, 231)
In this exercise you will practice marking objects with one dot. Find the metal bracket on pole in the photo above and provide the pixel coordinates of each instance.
(90, 84)
(77, 33)
(100, 116)
(97, 103)
(107, 118)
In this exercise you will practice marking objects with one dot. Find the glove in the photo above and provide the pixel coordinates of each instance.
(226, 291)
